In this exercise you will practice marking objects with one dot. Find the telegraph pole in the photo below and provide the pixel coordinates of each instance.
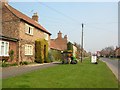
(82, 43)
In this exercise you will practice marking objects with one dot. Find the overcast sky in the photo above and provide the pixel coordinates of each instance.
(100, 19)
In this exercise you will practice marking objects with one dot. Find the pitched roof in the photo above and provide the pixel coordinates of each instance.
(26, 18)
(53, 45)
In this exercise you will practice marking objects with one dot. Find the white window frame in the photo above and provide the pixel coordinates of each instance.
(6, 48)
(27, 26)
(28, 49)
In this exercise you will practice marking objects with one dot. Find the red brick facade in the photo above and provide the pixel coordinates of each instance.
(59, 43)
(12, 46)
(13, 26)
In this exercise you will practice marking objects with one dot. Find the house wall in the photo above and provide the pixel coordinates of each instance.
(13, 27)
(117, 53)
(10, 28)
(61, 42)
(28, 39)
(10, 23)
(12, 46)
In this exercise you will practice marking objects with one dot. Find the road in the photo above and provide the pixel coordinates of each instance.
(114, 65)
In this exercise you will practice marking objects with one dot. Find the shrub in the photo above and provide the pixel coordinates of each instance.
(41, 51)
(24, 63)
(70, 46)
(55, 55)
(50, 56)
(21, 63)
(14, 64)
(38, 57)
(4, 65)
(11, 54)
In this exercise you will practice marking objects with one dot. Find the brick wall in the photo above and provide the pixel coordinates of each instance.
(10, 28)
(13, 27)
(12, 46)
(28, 39)
(10, 23)
(61, 42)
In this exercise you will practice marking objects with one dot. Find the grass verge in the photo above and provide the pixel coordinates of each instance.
(81, 75)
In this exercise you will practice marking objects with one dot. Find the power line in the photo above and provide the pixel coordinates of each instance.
(69, 17)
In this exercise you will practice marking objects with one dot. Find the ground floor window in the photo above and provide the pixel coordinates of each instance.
(4, 48)
(28, 49)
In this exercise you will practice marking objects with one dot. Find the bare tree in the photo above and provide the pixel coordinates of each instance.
(108, 51)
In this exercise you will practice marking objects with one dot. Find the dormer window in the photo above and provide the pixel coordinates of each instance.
(28, 29)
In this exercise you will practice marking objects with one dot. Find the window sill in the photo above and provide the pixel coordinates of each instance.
(29, 34)
(28, 55)
(4, 56)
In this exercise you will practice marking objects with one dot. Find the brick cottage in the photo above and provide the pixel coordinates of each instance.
(59, 43)
(19, 33)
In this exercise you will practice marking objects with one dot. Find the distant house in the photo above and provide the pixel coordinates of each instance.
(62, 44)
(117, 52)
(59, 43)
(19, 33)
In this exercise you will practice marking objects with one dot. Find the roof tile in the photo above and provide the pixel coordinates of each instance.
(26, 18)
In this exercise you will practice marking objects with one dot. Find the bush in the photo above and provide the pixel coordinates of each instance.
(24, 63)
(11, 54)
(41, 51)
(14, 64)
(21, 63)
(50, 56)
(38, 57)
(55, 55)
(70, 46)
(4, 65)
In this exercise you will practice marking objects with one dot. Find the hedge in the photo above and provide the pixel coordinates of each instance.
(41, 51)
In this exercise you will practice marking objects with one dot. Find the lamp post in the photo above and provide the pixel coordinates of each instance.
(82, 43)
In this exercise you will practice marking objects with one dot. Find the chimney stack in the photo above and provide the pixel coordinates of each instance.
(59, 35)
(35, 17)
(65, 37)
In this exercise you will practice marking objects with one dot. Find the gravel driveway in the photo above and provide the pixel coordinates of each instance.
(19, 70)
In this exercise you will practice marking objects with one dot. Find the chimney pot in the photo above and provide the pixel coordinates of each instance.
(35, 17)
(59, 35)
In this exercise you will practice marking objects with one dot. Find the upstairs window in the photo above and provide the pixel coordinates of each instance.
(28, 29)
(4, 48)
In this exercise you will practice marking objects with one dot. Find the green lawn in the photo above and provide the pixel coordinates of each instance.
(85, 75)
